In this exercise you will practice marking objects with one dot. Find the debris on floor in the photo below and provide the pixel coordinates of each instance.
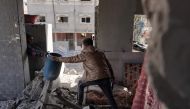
(65, 97)
(31, 94)
(28, 98)
(66, 93)
(94, 97)
(121, 94)
(7, 104)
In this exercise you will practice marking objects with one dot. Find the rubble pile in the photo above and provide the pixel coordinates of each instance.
(121, 94)
(30, 94)
(66, 93)
(28, 98)
(7, 104)
(64, 96)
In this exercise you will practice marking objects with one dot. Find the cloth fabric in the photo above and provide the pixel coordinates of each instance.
(139, 99)
(95, 63)
(151, 100)
(145, 96)
(104, 84)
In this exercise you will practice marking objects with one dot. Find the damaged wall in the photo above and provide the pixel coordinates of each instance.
(115, 33)
(13, 61)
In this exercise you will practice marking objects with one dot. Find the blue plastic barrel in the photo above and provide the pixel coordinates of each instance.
(52, 68)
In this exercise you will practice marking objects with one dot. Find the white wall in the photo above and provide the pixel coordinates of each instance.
(73, 9)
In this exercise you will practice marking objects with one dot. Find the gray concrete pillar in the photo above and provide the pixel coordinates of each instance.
(169, 53)
(14, 73)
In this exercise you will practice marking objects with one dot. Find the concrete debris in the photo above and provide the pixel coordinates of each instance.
(121, 94)
(33, 90)
(26, 104)
(7, 104)
(66, 93)
(66, 97)
(31, 94)
(28, 98)
(94, 97)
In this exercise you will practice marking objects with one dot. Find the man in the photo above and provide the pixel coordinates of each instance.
(36, 56)
(33, 49)
(98, 70)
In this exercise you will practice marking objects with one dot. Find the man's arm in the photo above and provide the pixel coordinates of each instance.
(73, 59)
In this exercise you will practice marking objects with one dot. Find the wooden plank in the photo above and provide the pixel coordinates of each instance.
(43, 97)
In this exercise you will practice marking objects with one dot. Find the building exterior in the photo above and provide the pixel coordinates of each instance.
(72, 20)
(66, 16)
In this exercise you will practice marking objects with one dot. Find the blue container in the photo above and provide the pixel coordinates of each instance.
(52, 68)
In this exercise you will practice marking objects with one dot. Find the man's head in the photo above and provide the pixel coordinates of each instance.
(29, 38)
(87, 42)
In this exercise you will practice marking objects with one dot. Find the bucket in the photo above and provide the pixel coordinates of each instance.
(52, 68)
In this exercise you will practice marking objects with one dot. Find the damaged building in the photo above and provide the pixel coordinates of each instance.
(145, 41)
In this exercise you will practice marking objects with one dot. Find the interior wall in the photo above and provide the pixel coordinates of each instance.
(13, 65)
(115, 33)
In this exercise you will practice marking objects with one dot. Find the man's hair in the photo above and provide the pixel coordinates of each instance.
(88, 42)
(29, 37)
